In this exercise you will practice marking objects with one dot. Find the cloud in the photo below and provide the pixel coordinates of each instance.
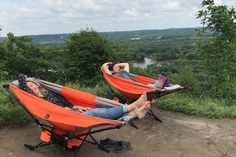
(130, 12)
(61, 16)
(172, 5)
(229, 3)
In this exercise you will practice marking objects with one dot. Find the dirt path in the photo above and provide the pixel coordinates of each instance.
(178, 136)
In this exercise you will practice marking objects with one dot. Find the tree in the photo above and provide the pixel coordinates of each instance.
(86, 52)
(3, 72)
(22, 56)
(186, 76)
(53, 63)
(218, 52)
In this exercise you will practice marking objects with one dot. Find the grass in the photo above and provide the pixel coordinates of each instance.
(208, 107)
(13, 114)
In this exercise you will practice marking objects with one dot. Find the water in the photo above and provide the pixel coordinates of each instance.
(147, 61)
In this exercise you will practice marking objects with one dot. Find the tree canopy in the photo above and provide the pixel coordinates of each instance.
(218, 53)
(86, 52)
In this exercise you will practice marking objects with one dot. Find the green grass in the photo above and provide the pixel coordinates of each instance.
(192, 106)
(12, 116)
(12, 113)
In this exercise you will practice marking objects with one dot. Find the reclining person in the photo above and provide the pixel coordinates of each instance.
(139, 108)
(122, 70)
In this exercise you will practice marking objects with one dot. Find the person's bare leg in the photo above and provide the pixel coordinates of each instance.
(152, 85)
(138, 103)
(162, 79)
(141, 112)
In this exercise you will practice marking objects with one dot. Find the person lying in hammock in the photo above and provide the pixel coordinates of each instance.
(138, 108)
(122, 70)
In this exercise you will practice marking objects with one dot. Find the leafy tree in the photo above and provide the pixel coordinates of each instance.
(186, 76)
(120, 53)
(22, 56)
(218, 52)
(54, 63)
(87, 51)
(3, 72)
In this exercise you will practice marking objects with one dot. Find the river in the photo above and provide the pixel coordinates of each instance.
(144, 64)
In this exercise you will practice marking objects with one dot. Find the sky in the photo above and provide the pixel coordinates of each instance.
(33, 17)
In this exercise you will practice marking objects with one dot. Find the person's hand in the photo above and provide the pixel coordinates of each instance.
(81, 109)
(121, 66)
(84, 109)
(107, 63)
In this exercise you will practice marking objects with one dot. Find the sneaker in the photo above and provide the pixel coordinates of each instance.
(108, 142)
(118, 145)
(122, 146)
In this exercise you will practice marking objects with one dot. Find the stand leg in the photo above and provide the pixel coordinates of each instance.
(41, 144)
(154, 116)
(131, 122)
(100, 146)
(71, 153)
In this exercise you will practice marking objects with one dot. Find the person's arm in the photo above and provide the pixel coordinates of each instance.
(105, 67)
(124, 66)
(22, 83)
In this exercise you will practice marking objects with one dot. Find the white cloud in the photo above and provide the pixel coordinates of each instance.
(219, 2)
(172, 5)
(229, 3)
(61, 16)
(130, 12)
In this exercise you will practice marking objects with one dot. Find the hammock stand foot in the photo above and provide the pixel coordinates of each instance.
(131, 122)
(154, 116)
(41, 144)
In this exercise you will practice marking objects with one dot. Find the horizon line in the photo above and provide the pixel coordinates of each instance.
(107, 31)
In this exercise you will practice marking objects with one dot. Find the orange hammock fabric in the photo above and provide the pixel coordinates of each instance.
(85, 99)
(129, 88)
(62, 118)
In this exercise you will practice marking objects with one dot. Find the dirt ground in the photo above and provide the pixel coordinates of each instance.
(178, 136)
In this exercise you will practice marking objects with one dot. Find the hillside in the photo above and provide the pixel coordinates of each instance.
(119, 35)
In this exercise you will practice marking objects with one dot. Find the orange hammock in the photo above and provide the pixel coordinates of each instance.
(67, 128)
(132, 89)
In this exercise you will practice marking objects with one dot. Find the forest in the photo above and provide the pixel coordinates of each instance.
(201, 59)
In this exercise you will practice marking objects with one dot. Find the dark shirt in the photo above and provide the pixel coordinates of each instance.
(52, 97)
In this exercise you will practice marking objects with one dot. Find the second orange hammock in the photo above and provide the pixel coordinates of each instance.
(133, 89)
